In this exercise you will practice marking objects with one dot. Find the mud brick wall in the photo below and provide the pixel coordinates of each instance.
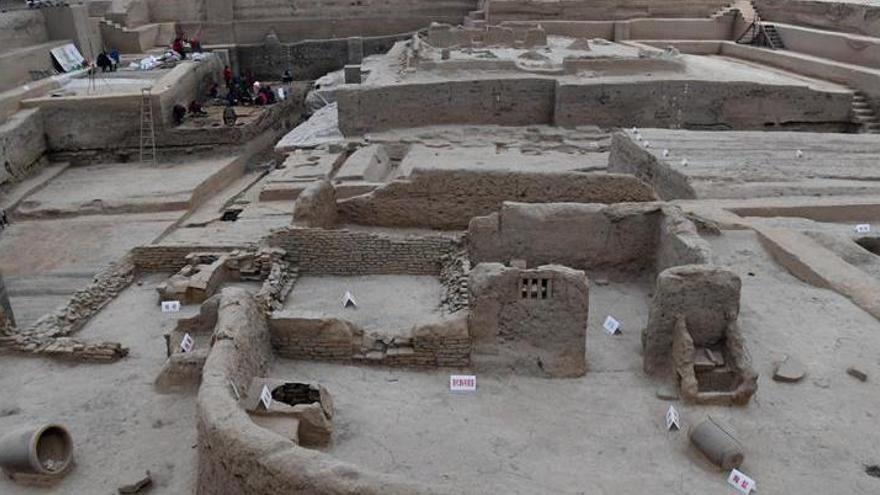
(448, 199)
(309, 338)
(333, 339)
(308, 59)
(521, 101)
(345, 252)
(50, 335)
(159, 258)
(429, 352)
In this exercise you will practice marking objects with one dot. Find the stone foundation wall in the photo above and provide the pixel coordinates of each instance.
(696, 104)
(514, 102)
(307, 59)
(50, 334)
(454, 271)
(522, 101)
(346, 252)
(588, 236)
(168, 258)
(431, 345)
(447, 199)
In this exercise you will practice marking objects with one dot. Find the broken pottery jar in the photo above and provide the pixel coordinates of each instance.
(37, 452)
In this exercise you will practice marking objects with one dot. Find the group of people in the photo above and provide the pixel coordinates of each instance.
(108, 61)
(178, 112)
(180, 42)
(240, 90)
(247, 90)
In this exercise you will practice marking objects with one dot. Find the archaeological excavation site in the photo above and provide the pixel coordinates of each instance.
(394, 247)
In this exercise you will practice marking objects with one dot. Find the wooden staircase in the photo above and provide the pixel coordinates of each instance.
(864, 114)
(773, 37)
(760, 33)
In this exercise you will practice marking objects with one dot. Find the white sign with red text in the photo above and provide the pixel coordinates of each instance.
(742, 482)
(462, 383)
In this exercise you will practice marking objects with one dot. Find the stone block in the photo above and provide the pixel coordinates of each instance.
(355, 50)
(352, 74)
(532, 321)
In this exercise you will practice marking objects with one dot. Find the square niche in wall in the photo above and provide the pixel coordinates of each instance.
(535, 288)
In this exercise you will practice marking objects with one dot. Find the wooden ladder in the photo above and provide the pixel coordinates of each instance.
(148, 130)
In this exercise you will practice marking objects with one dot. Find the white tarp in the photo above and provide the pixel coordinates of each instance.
(68, 57)
(321, 128)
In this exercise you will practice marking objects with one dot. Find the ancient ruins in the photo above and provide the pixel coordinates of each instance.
(439, 247)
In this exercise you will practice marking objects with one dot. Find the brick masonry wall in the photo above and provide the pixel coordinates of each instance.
(50, 335)
(331, 339)
(520, 101)
(448, 199)
(308, 59)
(345, 252)
(159, 258)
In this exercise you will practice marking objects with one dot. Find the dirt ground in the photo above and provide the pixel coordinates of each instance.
(392, 304)
(120, 426)
(525, 435)
(45, 261)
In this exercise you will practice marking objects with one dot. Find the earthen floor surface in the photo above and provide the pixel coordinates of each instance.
(604, 433)
(45, 261)
(120, 426)
(387, 304)
(130, 186)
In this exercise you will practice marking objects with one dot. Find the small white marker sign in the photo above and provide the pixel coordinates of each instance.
(611, 326)
(348, 300)
(462, 383)
(742, 482)
(672, 419)
(170, 306)
(266, 397)
(187, 343)
(863, 228)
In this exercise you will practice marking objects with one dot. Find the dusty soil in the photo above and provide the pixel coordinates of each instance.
(527, 435)
(120, 426)
(390, 304)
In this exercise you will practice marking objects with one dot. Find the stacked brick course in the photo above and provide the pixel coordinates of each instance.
(50, 334)
(345, 252)
(164, 258)
(429, 346)
(454, 277)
